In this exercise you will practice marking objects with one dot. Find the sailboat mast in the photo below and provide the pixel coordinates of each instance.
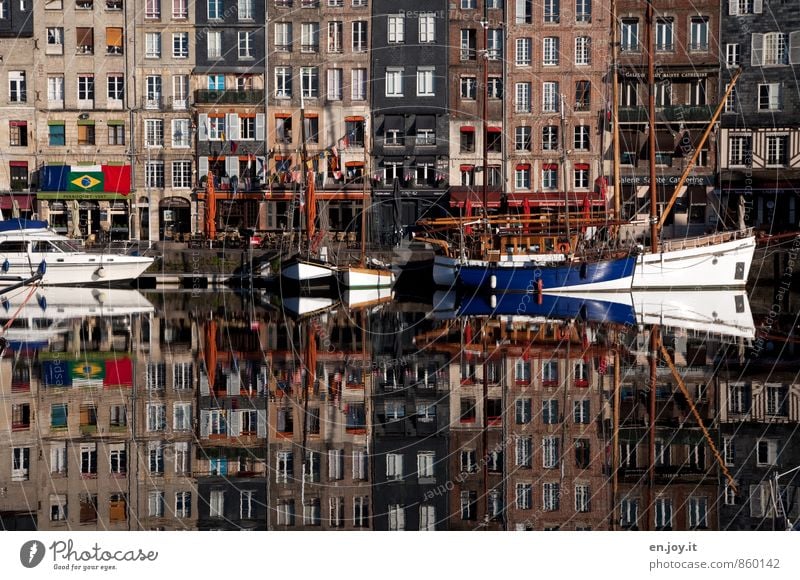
(485, 108)
(563, 131)
(651, 115)
(303, 180)
(363, 259)
(615, 111)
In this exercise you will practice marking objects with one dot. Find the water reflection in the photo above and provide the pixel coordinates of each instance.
(517, 412)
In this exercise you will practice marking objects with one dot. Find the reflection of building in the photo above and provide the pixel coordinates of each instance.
(686, 77)
(758, 439)
(683, 492)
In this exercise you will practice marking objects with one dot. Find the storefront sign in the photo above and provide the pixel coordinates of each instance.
(666, 180)
(80, 195)
(666, 74)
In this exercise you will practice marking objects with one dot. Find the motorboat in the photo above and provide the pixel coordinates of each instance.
(28, 246)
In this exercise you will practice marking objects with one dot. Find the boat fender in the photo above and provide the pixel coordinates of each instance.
(100, 272)
(493, 301)
(42, 300)
(6, 265)
(493, 281)
(42, 268)
(6, 304)
(563, 248)
(539, 290)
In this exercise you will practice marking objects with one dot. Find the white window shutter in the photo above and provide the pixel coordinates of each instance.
(261, 422)
(204, 419)
(202, 171)
(232, 123)
(794, 47)
(202, 127)
(756, 49)
(259, 126)
(235, 423)
(758, 6)
(733, 7)
(232, 169)
(756, 503)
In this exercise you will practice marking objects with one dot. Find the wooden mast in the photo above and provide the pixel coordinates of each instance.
(485, 109)
(615, 111)
(651, 137)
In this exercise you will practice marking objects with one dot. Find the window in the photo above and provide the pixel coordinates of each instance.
(360, 468)
(89, 459)
(425, 81)
(181, 412)
(769, 97)
(88, 507)
(629, 35)
(115, 87)
(425, 461)
(247, 504)
(180, 9)
(698, 513)
(776, 395)
(152, 9)
(360, 36)
(663, 514)
(55, 40)
(153, 137)
(84, 40)
(58, 508)
(522, 176)
(394, 466)
(698, 33)
(20, 417)
(180, 45)
(776, 157)
(283, 82)
(427, 30)
(309, 82)
(550, 452)
(334, 84)
(214, 9)
(523, 13)
(740, 148)
(664, 35)
(469, 505)
(629, 513)
(155, 457)
(523, 411)
(523, 451)
(360, 511)
(469, 43)
(468, 461)
(549, 176)
(56, 134)
(17, 88)
(118, 459)
(283, 36)
(183, 504)
(397, 517)
(583, 50)
(522, 101)
(155, 504)
(216, 503)
(85, 87)
(522, 56)
(663, 455)
(550, 138)
(733, 55)
(550, 51)
(551, 11)
(335, 464)
(20, 463)
(153, 92)
(58, 412)
(309, 37)
(55, 91)
(152, 43)
(469, 87)
(551, 493)
(495, 88)
(766, 452)
(118, 507)
(580, 178)
(583, 10)
(181, 374)
(550, 97)
(524, 496)
(469, 4)
(18, 133)
(495, 44)
(729, 495)
(582, 498)
(284, 467)
(286, 512)
(358, 84)
(581, 138)
(580, 412)
(394, 82)
(427, 518)
(156, 415)
(214, 44)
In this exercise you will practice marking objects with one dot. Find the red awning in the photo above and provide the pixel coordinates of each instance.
(550, 166)
(467, 168)
(17, 163)
(494, 130)
(551, 199)
(523, 166)
(353, 119)
(467, 129)
(354, 164)
(584, 166)
(25, 201)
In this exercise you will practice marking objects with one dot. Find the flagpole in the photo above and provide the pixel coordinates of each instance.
(303, 154)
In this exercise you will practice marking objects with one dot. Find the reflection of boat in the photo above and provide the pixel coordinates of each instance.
(40, 317)
(363, 298)
(305, 305)
(24, 244)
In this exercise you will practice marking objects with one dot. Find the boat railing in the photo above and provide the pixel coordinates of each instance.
(708, 240)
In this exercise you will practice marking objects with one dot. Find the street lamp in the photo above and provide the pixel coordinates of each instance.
(777, 497)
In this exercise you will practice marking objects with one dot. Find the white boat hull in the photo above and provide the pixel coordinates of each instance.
(367, 278)
(74, 269)
(722, 265)
(367, 297)
(300, 271)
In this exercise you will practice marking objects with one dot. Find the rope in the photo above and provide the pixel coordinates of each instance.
(19, 308)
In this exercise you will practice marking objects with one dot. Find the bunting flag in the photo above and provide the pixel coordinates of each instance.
(603, 366)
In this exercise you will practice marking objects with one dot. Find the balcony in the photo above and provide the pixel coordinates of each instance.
(153, 102)
(248, 97)
(677, 113)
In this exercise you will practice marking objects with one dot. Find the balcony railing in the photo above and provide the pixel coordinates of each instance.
(699, 113)
(153, 103)
(247, 97)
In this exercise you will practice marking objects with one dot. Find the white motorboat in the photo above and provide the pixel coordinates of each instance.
(27, 244)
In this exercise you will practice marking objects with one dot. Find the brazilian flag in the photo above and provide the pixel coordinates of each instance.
(84, 180)
(87, 373)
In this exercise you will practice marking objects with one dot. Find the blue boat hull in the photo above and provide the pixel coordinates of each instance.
(602, 275)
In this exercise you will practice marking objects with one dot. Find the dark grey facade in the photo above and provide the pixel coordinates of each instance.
(410, 103)
(230, 25)
(16, 20)
(759, 131)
